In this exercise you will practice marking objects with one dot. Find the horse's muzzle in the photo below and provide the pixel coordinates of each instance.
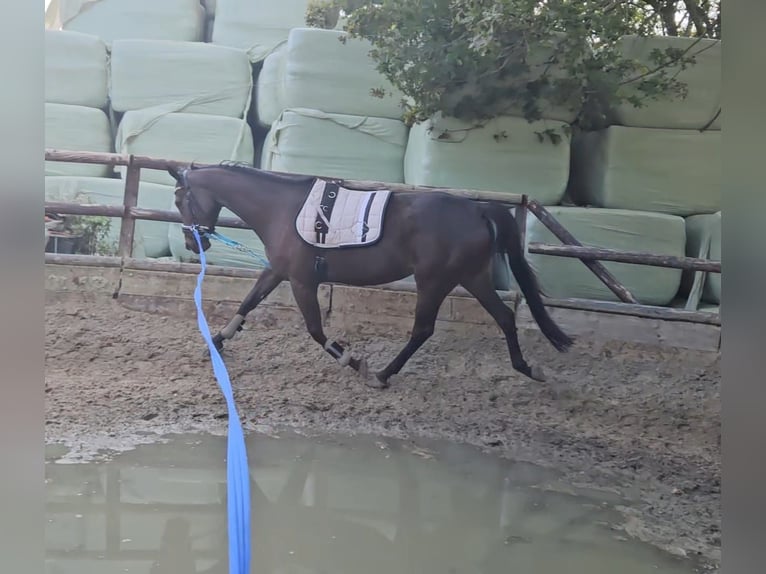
(191, 243)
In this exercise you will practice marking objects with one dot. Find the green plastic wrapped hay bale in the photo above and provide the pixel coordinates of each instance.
(270, 92)
(151, 237)
(189, 77)
(505, 155)
(184, 137)
(701, 231)
(77, 128)
(563, 277)
(219, 254)
(323, 73)
(336, 145)
(110, 20)
(703, 83)
(257, 26)
(76, 70)
(677, 172)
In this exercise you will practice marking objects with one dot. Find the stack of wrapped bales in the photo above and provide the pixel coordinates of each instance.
(663, 157)
(186, 101)
(314, 95)
(77, 99)
(76, 80)
(110, 20)
(656, 157)
(256, 26)
(181, 100)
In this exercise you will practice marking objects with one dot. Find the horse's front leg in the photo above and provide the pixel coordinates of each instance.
(266, 283)
(308, 303)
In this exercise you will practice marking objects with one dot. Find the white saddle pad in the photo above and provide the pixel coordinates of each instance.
(333, 216)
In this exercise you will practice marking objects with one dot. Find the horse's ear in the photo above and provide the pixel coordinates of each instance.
(175, 173)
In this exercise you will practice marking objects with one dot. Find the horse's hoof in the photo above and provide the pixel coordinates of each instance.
(218, 342)
(208, 352)
(371, 380)
(377, 381)
(536, 373)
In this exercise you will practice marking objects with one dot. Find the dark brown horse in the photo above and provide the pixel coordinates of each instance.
(316, 230)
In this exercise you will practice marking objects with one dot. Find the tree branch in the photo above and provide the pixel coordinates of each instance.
(660, 67)
(698, 17)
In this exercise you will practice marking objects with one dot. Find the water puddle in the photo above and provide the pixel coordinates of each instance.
(333, 506)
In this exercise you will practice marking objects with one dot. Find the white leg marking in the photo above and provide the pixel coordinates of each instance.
(231, 329)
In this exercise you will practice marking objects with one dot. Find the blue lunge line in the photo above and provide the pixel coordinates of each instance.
(237, 473)
(239, 247)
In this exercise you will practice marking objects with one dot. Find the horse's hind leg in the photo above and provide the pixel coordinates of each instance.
(481, 287)
(306, 298)
(430, 299)
(264, 285)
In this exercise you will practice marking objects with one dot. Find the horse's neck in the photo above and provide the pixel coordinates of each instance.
(261, 206)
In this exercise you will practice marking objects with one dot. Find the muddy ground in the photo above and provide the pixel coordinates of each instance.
(639, 419)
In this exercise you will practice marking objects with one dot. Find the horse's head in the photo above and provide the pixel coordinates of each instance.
(198, 208)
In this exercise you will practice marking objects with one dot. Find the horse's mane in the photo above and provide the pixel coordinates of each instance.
(248, 169)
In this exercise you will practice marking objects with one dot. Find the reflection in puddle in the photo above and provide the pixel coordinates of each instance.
(343, 506)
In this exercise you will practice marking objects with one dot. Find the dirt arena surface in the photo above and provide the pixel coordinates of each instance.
(639, 420)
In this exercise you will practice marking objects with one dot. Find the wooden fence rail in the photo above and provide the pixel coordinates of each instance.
(129, 212)
(143, 162)
(635, 257)
(63, 208)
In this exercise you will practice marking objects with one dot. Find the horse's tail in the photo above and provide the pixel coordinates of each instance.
(509, 240)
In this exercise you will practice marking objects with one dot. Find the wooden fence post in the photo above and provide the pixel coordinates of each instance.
(521, 219)
(130, 200)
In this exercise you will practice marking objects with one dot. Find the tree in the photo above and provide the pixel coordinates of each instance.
(478, 59)
(693, 18)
